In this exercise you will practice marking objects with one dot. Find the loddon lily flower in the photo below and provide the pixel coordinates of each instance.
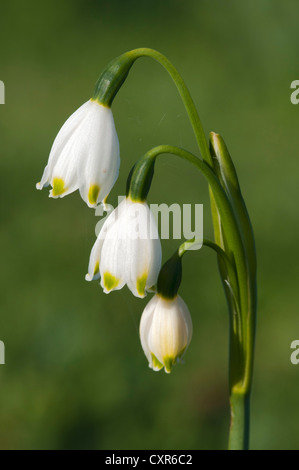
(165, 331)
(127, 250)
(84, 155)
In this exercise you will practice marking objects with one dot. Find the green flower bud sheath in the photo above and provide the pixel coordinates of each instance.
(170, 277)
(140, 179)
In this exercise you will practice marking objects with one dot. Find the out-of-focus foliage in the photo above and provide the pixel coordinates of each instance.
(76, 376)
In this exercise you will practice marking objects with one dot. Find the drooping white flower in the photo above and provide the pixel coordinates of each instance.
(127, 250)
(84, 155)
(165, 331)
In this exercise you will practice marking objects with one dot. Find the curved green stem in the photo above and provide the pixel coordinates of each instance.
(184, 93)
(219, 251)
(189, 245)
(117, 71)
(236, 255)
(234, 265)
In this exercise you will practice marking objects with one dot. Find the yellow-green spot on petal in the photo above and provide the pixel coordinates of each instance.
(110, 282)
(96, 268)
(141, 282)
(156, 363)
(168, 363)
(58, 187)
(93, 193)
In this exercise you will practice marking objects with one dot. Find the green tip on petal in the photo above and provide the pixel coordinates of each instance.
(141, 283)
(58, 187)
(93, 193)
(96, 268)
(156, 363)
(168, 363)
(110, 282)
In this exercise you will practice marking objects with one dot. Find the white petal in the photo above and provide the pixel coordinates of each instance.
(65, 169)
(144, 252)
(114, 249)
(187, 318)
(63, 136)
(155, 254)
(99, 167)
(84, 155)
(112, 265)
(170, 331)
(94, 261)
(145, 325)
(107, 231)
(126, 257)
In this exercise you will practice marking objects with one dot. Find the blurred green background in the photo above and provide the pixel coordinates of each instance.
(75, 374)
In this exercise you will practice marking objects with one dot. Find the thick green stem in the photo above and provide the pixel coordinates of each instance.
(239, 400)
(239, 426)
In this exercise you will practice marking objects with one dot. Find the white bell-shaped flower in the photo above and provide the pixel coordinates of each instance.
(127, 250)
(84, 155)
(165, 331)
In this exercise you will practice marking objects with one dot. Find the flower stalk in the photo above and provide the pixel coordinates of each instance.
(237, 274)
(117, 71)
(85, 156)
